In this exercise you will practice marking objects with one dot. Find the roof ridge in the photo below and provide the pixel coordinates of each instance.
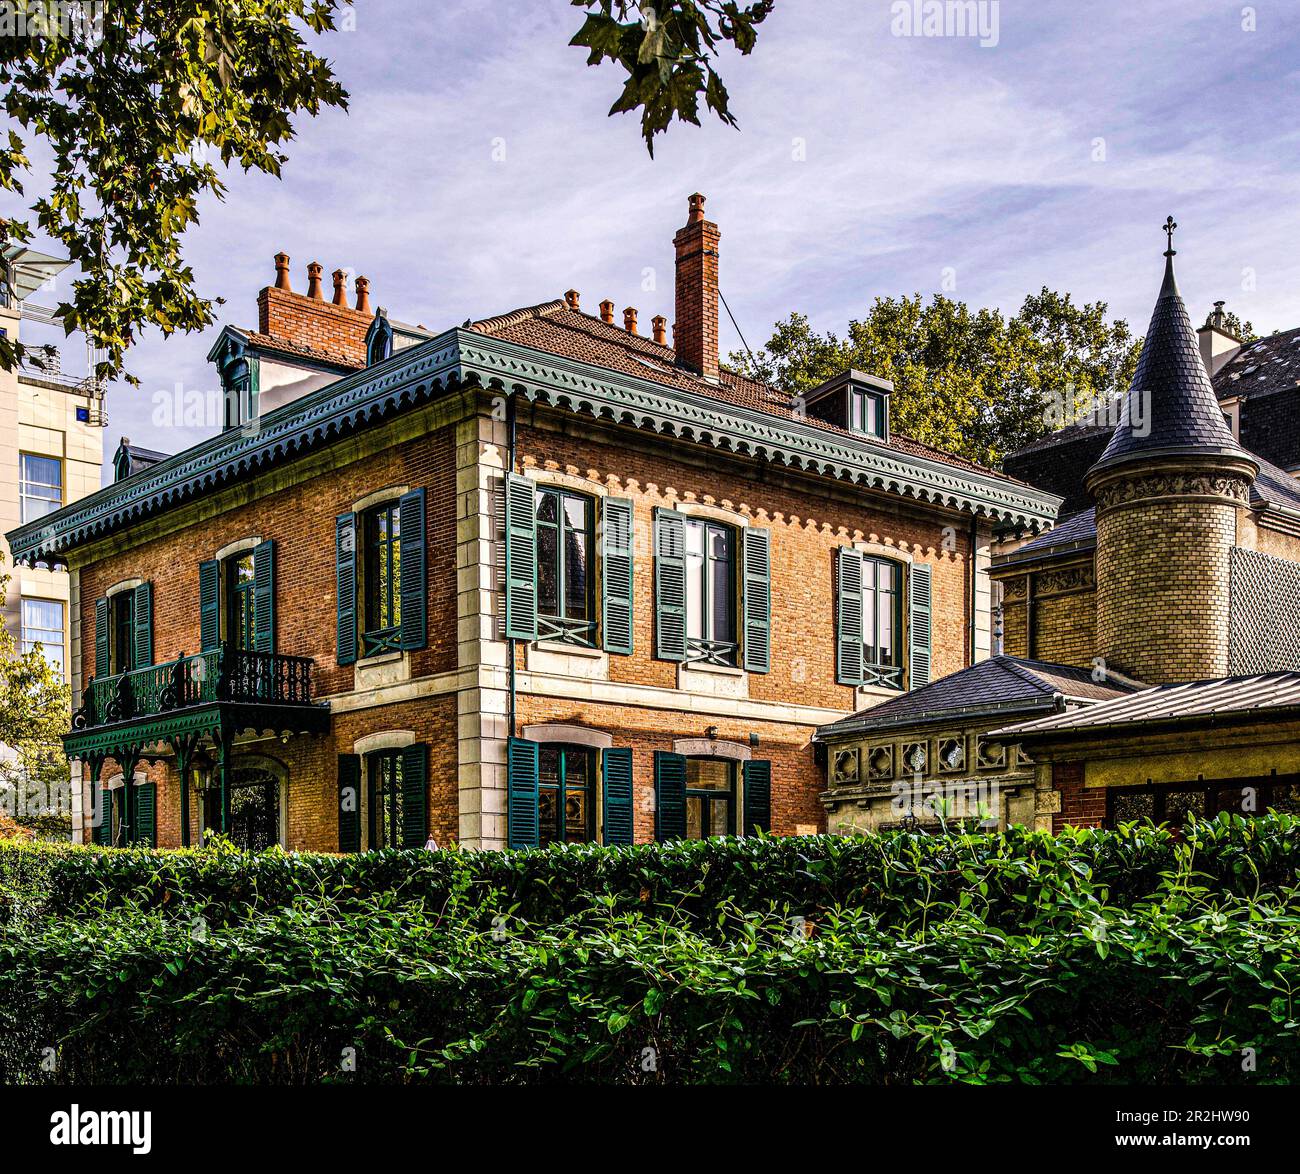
(510, 317)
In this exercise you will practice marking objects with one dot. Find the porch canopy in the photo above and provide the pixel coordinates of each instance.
(192, 706)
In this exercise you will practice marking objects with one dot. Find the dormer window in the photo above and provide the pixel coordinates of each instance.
(855, 401)
(867, 410)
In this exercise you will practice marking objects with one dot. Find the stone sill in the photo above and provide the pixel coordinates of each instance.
(568, 649)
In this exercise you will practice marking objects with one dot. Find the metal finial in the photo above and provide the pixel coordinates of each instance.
(1169, 233)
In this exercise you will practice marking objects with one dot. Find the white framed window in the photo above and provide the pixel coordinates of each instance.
(42, 626)
(40, 485)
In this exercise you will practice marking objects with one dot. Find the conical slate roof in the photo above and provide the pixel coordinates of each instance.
(1171, 408)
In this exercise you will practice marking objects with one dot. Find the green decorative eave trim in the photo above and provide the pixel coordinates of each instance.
(418, 374)
(213, 720)
(698, 418)
(358, 401)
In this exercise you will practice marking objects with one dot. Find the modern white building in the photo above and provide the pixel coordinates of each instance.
(51, 453)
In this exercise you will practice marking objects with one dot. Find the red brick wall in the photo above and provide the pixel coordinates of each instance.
(314, 323)
(312, 768)
(301, 521)
(796, 779)
(806, 530)
(1081, 807)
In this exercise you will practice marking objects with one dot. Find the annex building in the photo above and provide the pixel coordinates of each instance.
(1150, 660)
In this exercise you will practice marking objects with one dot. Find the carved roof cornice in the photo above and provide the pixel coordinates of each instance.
(418, 374)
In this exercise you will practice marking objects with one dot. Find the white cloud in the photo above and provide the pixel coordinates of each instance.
(920, 154)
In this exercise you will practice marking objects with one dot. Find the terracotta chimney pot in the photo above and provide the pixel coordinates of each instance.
(660, 325)
(607, 311)
(314, 271)
(340, 288)
(282, 272)
(363, 295)
(571, 299)
(629, 319)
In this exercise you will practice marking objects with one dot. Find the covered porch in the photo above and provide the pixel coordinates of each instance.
(189, 713)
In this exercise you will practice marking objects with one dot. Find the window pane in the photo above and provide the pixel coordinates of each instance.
(575, 817)
(708, 774)
(548, 581)
(575, 573)
(42, 623)
(577, 768)
(720, 596)
(885, 627)
(575, 512)
(548, 509)
(694, 817)
(1180, 804)
(548, 819)
(1130, 805)
(695, 625)
(41, 486)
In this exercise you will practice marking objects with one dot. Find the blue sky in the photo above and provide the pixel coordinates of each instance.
(866, 164)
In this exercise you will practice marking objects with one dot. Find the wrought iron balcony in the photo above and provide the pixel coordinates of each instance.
(222, 675)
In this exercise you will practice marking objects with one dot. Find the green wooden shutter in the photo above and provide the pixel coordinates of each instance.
(758, 797)
(146, 814)
(209, 604)
(848, 616)
(617, 770)
(264, 596)
(349, 803)
(918, 626)
(345, 565)
(521, 558)
(670, 796)
(415, 793)
(411, 573)
(670, 585)
(757, 569)
(521, 793)
(101, 637)
(101, 803)
(616, 560)
(143, 625)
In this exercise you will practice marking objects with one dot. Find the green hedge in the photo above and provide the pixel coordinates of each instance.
(899, 878)
(1127, 956)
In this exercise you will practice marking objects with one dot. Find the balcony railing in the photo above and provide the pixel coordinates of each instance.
(220, 675)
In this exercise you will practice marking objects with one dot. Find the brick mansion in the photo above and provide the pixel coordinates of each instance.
(544, 578)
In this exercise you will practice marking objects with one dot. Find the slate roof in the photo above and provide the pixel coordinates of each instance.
(557, 329)
(998, 685)
(1182, 413)
(1272, 487)
(1075, 533)
(1224, 699)
(1262, 367)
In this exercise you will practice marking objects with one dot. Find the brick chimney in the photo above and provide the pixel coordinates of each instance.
(331, 327)
(695, 331)
(1217, 345)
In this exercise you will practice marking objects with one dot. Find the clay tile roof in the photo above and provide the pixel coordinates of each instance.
(556, 329)
(289, 347)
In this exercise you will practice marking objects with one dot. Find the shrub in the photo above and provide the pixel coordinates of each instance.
(1132, 955)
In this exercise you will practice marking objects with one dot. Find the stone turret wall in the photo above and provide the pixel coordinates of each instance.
(1164, 541)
